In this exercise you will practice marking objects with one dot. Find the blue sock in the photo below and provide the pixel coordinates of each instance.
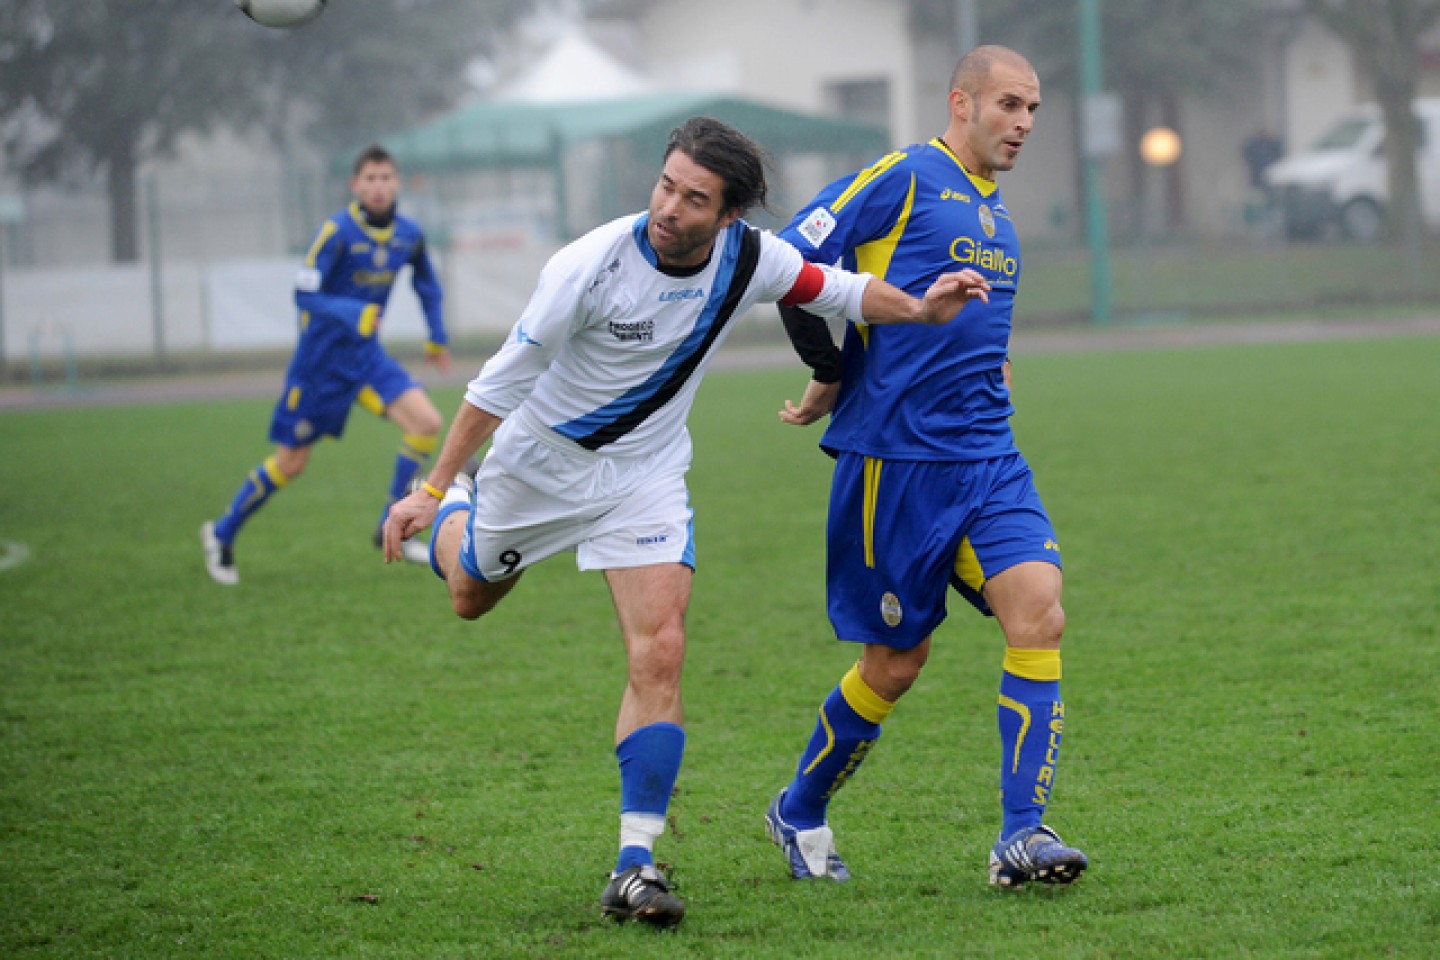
(257, 488)
(649, 763)
(414, 453)
(848, 725)
(1032, 721)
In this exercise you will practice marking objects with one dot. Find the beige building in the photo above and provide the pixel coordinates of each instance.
(866, 60)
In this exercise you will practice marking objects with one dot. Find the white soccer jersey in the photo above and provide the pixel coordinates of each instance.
(610, 349)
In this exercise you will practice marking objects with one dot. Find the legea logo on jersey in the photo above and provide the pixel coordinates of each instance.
(693, 293)
(965, 250)
(948, 194)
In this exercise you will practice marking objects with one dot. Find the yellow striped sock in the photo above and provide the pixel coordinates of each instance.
(1032, 664)
(864, 701)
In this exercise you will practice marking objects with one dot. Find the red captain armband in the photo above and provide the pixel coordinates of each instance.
(808, 284)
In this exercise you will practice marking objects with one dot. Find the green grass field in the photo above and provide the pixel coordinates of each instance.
(324, 763)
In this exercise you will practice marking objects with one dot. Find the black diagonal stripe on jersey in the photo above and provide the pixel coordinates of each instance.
(651, 396)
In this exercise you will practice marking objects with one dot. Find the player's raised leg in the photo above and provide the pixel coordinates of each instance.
(471, 594)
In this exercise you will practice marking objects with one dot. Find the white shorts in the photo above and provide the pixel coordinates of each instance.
(538, 494)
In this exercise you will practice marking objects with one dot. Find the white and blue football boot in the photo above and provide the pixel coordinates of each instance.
(1035, 853)
(811, 852)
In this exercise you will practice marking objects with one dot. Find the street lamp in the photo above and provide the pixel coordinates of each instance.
(1160, 147)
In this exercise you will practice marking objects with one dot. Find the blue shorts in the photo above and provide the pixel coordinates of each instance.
(901, 532)
(316, 404)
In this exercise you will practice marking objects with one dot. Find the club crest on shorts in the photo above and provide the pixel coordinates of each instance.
(890, 610)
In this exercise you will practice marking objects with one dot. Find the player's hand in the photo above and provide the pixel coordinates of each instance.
(819, 400)
(408, 517)
(439, 357)
(950, 292)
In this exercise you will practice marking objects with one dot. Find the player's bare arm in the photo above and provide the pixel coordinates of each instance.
(472, 427)
(944, 300)
(439, 356)
(818, 401)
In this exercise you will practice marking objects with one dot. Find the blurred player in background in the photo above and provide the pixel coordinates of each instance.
(587, 402)
(929, 489)
(341, 293)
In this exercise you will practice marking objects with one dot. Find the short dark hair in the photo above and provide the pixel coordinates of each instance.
(727, 153)
(373, 154)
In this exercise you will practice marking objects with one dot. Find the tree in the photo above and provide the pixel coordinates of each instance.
(100, 87)
(1383, 37)
(1157, 54)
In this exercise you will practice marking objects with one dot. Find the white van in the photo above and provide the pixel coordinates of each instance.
(1341, 181)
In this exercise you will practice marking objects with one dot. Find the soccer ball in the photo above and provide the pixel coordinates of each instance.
(283, 14)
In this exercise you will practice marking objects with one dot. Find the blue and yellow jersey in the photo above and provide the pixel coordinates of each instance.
(912, 392)
(345, 282)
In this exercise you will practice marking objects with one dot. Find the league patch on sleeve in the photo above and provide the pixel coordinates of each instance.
(817, 226)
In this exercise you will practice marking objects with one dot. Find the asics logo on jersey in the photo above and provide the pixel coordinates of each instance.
(639, 330)
(965, 250)
(670, 296)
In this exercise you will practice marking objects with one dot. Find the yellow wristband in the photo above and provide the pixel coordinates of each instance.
(430, 488)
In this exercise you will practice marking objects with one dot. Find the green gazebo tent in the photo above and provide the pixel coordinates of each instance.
(631, 132)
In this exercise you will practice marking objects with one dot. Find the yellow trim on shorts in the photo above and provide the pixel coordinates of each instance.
(370, 400)
(967, 567)
(369, 320)
(872, 496)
